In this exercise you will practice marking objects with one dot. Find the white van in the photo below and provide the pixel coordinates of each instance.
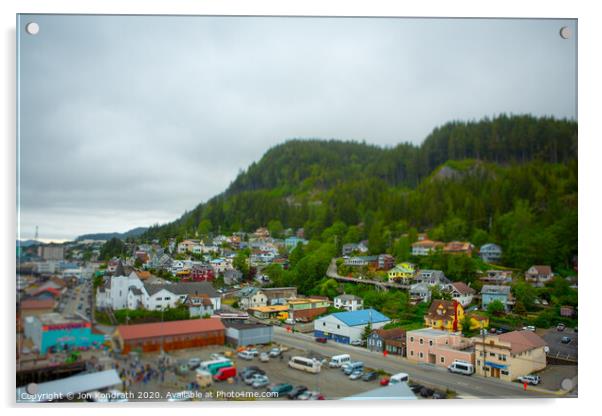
(339, 360)
(461, 367)
(399, 378)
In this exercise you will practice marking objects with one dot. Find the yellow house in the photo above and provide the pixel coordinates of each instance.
(402, 272)
(445, 314)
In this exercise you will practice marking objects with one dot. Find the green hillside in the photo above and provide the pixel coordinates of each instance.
(510, 180)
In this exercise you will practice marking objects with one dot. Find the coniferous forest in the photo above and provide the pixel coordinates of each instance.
(511, 180)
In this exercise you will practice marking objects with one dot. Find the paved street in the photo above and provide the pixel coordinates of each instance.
(473, 386)
(79, 295)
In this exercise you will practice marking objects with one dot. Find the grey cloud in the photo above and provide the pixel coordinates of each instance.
(128, 121)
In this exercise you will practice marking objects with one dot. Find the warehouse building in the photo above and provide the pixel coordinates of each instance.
(168, 336)
(245, 333)
(347, 327)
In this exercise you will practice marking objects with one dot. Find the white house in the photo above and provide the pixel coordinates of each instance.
(347, 327)
(348, 302)
(114, 292)
(160, 297)
(462, 293)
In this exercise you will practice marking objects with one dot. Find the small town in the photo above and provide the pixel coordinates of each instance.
(206, 318)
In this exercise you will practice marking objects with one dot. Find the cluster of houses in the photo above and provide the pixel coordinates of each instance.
(489, 253)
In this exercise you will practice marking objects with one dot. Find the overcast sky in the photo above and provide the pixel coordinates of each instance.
(130, 121)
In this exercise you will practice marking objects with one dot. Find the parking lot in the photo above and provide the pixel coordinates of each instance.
(331, 383)
(557, 348)
(553, 376)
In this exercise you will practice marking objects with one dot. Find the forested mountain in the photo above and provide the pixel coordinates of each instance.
(511, 180)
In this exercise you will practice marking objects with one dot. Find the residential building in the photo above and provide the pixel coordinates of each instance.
(462, 293)
(167, 336)
(55, 332)
(434, 346)
(567, 311)
(279, 295)
(262, 233)
(445, 314)
(351, 248)
(490, 293)
(34, 307)
(201, 273)
(199, 306)
(348, 302)
(241, 334)
(432, 277)
(539, 275)
(459, 247)
(386, 262)
(391, 340)
(420, 292)
(510, 355)
(497, 277)
(402, 273)
(251, 297)
(306, 309)
(361, 261)
(490, 253)
(425, 247)
(162, 296)
(347, 327)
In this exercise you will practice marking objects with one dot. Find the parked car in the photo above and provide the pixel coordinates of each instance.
(264, 357)
(560, 327)
(530, 379)
(245, 355)
(282, 388)
(439, 395)
(275, 352)
(384, 381)
(251, 377)
(357, 342)
(253, 351)
(310, 395)
(247, 371)
(356, 374)
(225, 373)
(260, 381)
(565, 340)
(529, 328)
(193, 363)
(294, 393)
(369, 376)
(322, 340)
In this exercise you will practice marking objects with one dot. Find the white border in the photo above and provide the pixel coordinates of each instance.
(589, 155)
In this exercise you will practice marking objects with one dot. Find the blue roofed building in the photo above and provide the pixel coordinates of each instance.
(347, 327)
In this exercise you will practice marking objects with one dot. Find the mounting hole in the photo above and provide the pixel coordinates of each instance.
(565, 32)
(32, 28)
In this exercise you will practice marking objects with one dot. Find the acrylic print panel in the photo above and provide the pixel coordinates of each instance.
(262, 208)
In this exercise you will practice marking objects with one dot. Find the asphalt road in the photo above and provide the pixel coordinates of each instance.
(473, 386)
(76, 296)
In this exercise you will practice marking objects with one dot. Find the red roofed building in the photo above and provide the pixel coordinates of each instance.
(168, 336)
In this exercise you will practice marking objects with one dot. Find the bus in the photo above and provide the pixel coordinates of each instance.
(213, 366)
(305, 364)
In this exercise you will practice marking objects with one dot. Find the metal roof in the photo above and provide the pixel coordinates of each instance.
(361, 317)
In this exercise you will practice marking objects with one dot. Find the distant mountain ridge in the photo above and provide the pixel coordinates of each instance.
(135, 232)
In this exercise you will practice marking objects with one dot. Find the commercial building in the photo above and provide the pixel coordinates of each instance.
(244, 333)
(54, 332)
(438, 347)
(169, 335)
(51, 252)
(510, 355)
(347, 327)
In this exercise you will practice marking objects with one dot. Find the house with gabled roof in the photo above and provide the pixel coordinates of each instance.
(445, 314)
(348, 327)
(539, 275)
(462, 293)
